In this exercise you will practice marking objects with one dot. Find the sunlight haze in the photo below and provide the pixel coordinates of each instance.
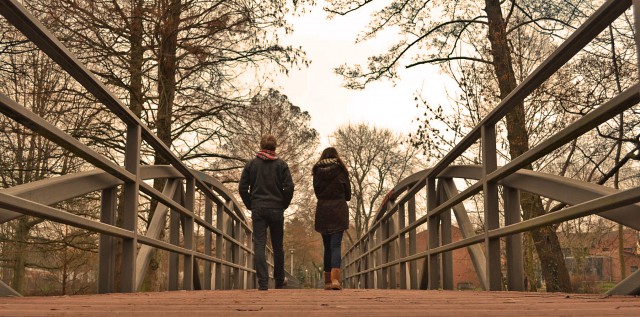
(318, 89)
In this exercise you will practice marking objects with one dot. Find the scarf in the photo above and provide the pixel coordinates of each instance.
(267, 155)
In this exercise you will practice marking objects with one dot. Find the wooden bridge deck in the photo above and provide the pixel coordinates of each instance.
(305, 302)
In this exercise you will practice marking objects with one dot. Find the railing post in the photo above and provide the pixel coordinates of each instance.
(356, 281)
(402, 246)
(371, 263)
(393, 251)
(219, 246)
(346, 273)
(352, 269)
(491, 205)
(433, 225)
(359, 278)
(189, 204)
(130, 210)
(364, 265)
(208, 218)
(228, 249)
(155, 228)
(447, 257)
(382, 281)
(244, 259)
(251, 277)
(385, 253)
(270, 264)
(475, 251)
(413, 266)
(345, 270)
(174, 238)
(237, 234)
(515, 268)
(107, 263)
(636, 18)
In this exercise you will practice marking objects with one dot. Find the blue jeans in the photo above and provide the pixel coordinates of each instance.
(332, 249)
(273, 219)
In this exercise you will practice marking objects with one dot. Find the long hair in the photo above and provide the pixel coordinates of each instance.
(330, 153)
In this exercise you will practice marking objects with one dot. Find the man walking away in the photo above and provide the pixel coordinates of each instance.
(266, 189)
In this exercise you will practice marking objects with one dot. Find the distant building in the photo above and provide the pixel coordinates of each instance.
(596, 256)
(464, 274)
(592, 256)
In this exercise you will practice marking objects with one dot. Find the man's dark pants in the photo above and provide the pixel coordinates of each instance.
(273, 219)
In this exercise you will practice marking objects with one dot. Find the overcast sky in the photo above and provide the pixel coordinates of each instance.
(318, 90)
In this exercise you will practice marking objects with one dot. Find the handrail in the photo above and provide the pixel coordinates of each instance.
(575, 193)
(582, 36)
(16, 14)
(234, 249)
(382, 250)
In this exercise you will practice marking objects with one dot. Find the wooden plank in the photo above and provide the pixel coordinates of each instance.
(317, 302)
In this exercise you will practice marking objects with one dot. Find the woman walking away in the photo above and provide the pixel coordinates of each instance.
(333, 190)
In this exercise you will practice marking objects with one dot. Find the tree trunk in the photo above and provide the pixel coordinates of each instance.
(65, 272)
(136, 100)
(19, 260)
(136, 96)
(623, 268)
(167, 68)
(137, 58)
(170, 10)
(531, 282)
(616, 179)
(545, 239)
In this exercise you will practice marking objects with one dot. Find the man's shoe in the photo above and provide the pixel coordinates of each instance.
(262, 288)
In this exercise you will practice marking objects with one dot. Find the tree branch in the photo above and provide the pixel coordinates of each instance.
(448, 59)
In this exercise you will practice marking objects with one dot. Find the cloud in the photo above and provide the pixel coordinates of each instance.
(318, 90)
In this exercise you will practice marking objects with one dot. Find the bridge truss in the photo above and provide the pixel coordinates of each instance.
(389, 246)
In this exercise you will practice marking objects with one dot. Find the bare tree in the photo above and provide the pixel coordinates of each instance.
(583, 84)
(377, 159)
(270, 113)
(462, 31)
(34, 81)
(181, 66)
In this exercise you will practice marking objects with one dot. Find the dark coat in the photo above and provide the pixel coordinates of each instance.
(333, 190)
(266, 184)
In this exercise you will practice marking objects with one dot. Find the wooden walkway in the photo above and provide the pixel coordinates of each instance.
(311, 302)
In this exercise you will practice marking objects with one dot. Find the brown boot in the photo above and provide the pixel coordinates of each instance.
(336, 280)
(327, 280)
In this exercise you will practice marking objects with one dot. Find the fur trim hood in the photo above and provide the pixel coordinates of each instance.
(327, 168)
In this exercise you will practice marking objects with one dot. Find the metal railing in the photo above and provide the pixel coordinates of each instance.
(389, 246)
(232, 263)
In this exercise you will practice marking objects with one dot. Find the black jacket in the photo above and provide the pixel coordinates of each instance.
(333, 190)
(266, 184)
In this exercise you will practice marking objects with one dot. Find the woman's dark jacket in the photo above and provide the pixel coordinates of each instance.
(333, 190)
